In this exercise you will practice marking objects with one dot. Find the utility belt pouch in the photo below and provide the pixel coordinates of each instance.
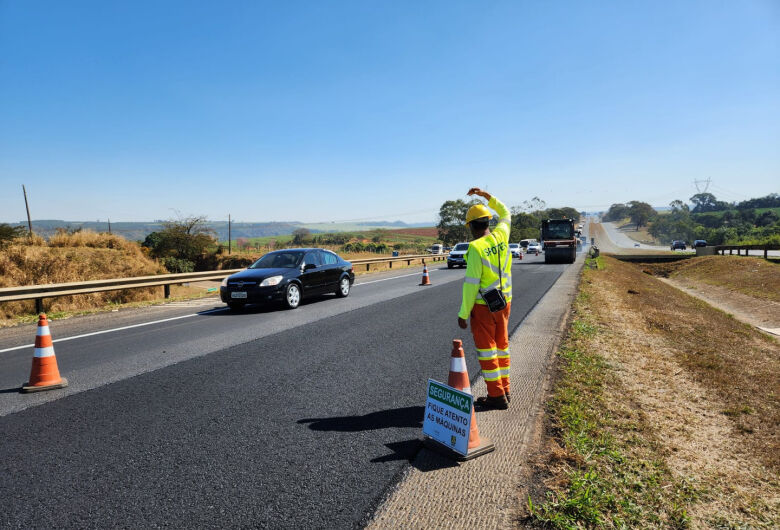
(494, 299)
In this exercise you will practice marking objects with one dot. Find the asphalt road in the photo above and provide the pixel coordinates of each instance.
(266, 418)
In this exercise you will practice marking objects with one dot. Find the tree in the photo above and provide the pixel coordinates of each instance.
(300, 235)
(706, 202)
(617, 212)
(534, 205)
(768, 218)
(640, 213)
(452, 216)
(187, 239)
(8, 233)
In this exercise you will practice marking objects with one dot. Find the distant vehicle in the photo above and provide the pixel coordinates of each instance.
(525, 242)
(516, 250)
(700, 243)
(437, 248)
(678, 245)
(287, 276)
(558, 240)
(636, 245)
(533, 247)
(457, 255)
(447, 249)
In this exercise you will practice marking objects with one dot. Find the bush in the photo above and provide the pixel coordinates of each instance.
(177, 265)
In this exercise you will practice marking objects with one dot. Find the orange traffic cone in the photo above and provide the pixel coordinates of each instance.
(426, 279)
(459, 378)
(44, 374)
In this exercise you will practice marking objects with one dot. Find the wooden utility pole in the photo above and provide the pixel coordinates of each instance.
(229, 235)
(26, 205)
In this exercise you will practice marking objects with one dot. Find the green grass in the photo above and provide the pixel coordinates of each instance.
(615, 476)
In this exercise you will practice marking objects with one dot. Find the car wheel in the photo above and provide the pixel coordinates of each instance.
(236, 306)
(292, 296)
(343, 290)
(449, 265)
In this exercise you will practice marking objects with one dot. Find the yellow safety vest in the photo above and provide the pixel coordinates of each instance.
(482, 262)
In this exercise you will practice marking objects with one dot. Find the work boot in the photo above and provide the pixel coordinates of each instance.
(490, 402)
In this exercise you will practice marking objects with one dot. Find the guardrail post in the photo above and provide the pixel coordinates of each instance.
(368, 267)
(391, 264)
(766, 253)
(39, 305)
(731, 251)
(167, 290)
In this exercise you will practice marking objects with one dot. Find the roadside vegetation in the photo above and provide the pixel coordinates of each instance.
(754, 221)
(526, 220)
(665, 413)
(185, 244)
(72, 257)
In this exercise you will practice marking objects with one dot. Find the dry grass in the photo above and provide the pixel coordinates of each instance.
(86, 255)
(70, 258)
(642, 235)
(667, 412)
(751, 276)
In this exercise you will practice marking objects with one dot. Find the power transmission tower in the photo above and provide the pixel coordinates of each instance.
(704, 183)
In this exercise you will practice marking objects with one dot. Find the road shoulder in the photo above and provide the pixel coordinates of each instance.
(483, 493)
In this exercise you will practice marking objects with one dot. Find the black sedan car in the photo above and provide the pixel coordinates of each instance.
(287, 276)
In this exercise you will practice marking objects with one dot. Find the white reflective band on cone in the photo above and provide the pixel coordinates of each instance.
(44, 352)
(457, 364)
(43, 330)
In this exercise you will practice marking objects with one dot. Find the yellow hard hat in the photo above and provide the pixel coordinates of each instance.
(478, 211)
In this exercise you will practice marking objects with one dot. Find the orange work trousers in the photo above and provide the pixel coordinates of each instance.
(491, 337)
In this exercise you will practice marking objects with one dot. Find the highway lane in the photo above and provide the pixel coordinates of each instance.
(304, 425)
(140, 340)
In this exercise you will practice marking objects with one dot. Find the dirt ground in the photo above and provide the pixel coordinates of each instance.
(746, 287)
(685, 389)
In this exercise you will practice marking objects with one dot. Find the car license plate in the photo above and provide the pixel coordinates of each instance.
(238, 294)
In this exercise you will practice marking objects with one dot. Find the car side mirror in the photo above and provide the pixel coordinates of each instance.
(309, 266)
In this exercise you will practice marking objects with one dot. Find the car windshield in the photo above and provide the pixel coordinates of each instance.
(513, 245)
(276, 260)
(461, 246)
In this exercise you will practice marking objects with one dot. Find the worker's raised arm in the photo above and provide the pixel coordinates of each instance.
(504, 217)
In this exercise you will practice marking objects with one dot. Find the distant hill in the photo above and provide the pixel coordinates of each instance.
(137, 231)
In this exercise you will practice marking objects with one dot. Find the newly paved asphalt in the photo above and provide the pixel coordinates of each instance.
(273, 419)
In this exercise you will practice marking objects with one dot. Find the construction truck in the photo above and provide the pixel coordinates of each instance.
(559, 241)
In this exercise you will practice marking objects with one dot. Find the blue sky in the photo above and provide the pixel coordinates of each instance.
(337, 111)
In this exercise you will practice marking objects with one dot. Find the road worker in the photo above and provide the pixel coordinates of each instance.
(489, 268)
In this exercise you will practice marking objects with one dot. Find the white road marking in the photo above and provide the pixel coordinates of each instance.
(393, 278)
(173, 318)
(116, 329)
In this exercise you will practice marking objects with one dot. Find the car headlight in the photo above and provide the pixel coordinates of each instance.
(224, 282)
(273, 280)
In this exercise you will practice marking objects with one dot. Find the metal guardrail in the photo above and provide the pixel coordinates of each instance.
(739, 248)
(53, 290)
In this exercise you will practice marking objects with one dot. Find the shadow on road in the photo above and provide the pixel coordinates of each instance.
(262, 308)
(16, 390)
(409, 450)
(383, 419)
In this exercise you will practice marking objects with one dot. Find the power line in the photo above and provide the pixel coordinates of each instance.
(702, 183)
